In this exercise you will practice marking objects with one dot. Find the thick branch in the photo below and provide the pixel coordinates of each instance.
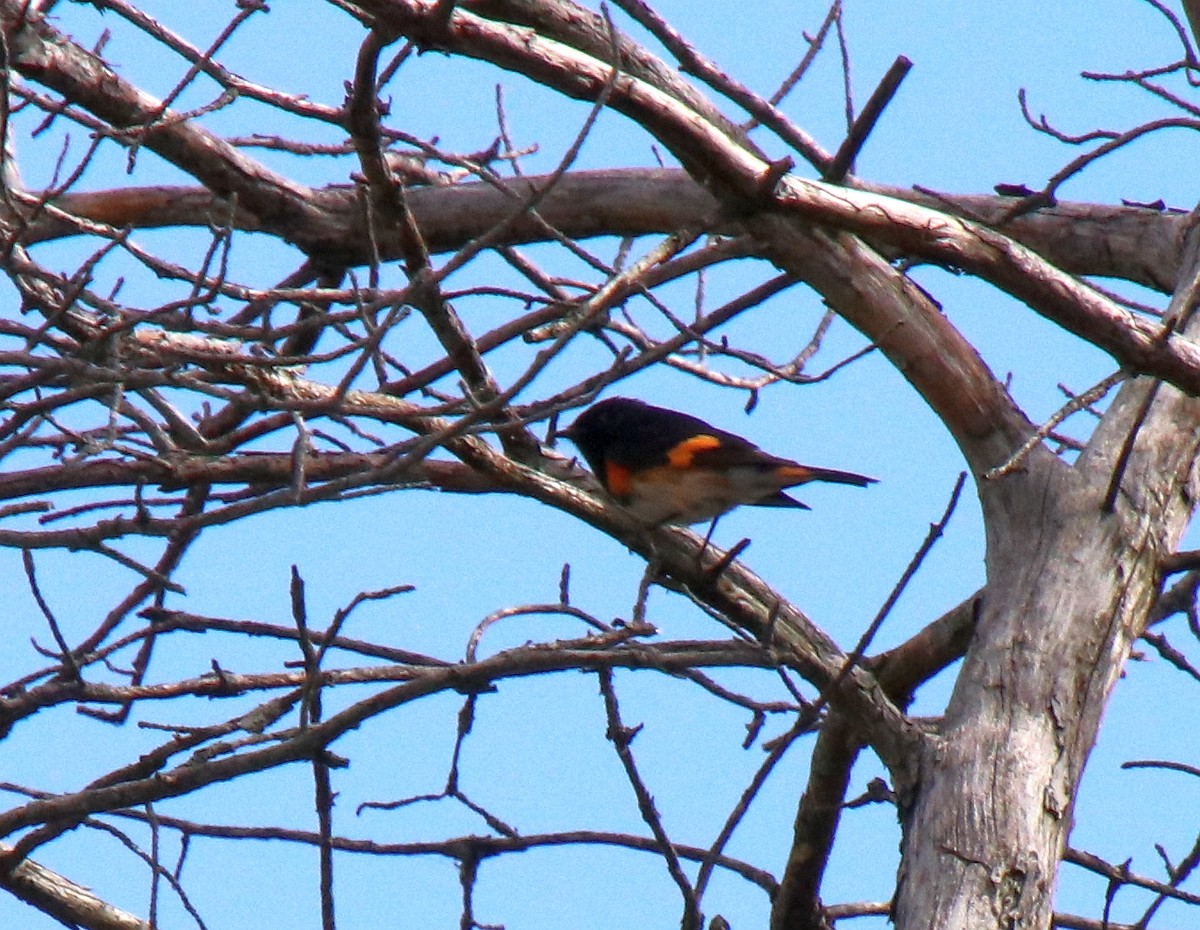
(797, 905)
(1134, 342)
(60, 898)
(744, 182)
(1135, 244)
(708, 152)
(263, 471)
(909, 328)
(41, 53)
(1055, 628)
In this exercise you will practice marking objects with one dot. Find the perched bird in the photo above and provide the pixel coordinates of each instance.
(669, 467)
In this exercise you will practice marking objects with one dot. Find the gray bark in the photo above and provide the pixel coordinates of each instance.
(1069, 588)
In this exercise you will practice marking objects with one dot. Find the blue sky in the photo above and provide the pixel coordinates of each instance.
(537, 754)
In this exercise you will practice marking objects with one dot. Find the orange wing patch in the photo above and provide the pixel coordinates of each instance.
(682, 454)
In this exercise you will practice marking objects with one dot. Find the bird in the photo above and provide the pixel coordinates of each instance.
(668, 467)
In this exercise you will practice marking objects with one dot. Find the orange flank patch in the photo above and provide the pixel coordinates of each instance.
(617, 479)
(682, 454)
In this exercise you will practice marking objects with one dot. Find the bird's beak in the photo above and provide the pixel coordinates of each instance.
(568, 433)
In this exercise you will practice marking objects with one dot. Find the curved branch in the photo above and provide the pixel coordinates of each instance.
(745, 184)
(900, 318)
(797, 906)
(57, 896)
(1133, 243)
(302, 743)
(262, 470)
(41, 53)
(590, 33)
(1136, 343)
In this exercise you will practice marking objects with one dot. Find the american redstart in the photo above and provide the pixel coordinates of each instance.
(669, 467)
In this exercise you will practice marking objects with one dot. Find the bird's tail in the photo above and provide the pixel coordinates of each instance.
(805, 473)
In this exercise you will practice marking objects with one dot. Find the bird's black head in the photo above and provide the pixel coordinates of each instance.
(603, 425)
(631, 433)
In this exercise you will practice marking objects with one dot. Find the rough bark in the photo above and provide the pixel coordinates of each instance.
(1073, 551)
(1133, 243)
(1070, 585)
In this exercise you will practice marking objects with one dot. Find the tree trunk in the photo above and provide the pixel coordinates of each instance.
(1069, 587)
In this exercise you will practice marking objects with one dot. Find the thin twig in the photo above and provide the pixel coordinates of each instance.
(864, 123)
(1074, 405)
(860, 648)
(622, 737)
